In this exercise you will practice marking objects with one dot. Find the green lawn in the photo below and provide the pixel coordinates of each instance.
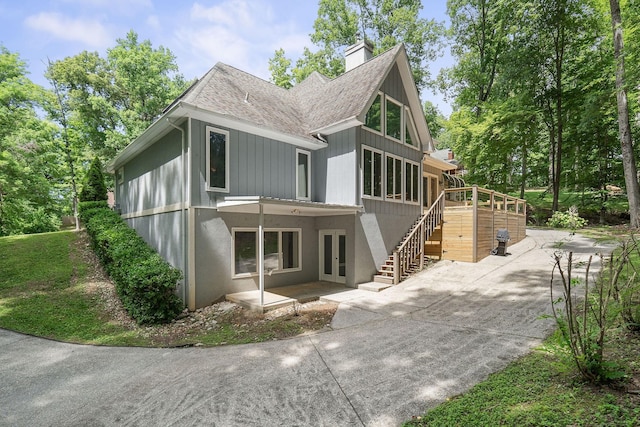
(589, 204)
(42, 291)
(539, 389)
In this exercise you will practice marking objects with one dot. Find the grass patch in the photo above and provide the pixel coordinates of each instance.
(42, 291)
(539, 390)
(589, 204)
(51, 286)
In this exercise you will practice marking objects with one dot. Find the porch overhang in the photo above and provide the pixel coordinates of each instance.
(273, 206)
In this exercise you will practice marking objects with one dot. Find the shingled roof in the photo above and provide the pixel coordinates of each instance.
(318, 105)
(313, 104)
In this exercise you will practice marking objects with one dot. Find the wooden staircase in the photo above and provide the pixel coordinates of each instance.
(409, 255)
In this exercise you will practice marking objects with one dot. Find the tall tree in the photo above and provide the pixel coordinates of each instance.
(112, 100)
(59, 111)
(28, 166)
(385, 23)
(628, 158)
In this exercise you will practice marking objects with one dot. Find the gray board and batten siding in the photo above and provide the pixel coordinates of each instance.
(257, 166)
(150, 196)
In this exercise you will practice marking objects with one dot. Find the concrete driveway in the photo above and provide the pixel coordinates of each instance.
(390, 355)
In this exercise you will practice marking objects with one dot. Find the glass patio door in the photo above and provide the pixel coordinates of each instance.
(333, 259)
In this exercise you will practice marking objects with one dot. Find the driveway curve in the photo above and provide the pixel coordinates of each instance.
(390, 355)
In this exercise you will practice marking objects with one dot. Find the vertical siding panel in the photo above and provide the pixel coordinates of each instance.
(259, 151)
(266, 177)
(251, 165)
(241, 165)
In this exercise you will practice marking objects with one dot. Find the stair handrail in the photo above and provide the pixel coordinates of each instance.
(402, 259)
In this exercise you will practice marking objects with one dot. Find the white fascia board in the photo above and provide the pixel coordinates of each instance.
(415, 105)
(230, 122)
(156, 130)
(338, 126)
(437, 163)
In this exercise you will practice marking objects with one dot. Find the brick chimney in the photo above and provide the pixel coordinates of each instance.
(358, 54)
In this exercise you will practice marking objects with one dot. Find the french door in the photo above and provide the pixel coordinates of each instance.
(333, 256)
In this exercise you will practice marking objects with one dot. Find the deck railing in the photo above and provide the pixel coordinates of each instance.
(476, 214)
(482, 198)
(411, 251)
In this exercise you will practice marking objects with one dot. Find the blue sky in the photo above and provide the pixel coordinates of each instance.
(242, 33)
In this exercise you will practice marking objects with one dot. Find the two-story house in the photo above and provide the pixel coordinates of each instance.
(245, 185)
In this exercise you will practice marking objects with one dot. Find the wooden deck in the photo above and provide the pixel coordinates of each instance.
(473, 216)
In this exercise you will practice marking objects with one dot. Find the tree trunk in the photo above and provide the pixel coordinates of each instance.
(624, 128)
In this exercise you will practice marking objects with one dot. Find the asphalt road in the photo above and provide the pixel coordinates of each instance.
(390, 355)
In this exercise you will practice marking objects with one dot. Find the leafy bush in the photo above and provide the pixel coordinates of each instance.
(94, 188)
(569, 219)
(625, 281)
(144, 281)
(85, 206)
(584, 320)
(22, 217)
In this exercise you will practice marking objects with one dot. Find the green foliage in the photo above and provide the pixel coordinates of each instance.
(30, 196)
(623, 275)
(94, 188)
(340, 23)
(534, 391)
(435, 120)
(569, 219)
(144, 281)
(113, 99)
(584, 324)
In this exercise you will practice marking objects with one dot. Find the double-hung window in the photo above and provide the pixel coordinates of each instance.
(303, 174)
(217, 159)
(371, 172)
(411, 182)
(282, 251)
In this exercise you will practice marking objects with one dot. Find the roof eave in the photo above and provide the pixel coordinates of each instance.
(231, 122)
(338, 126)
(156, 130)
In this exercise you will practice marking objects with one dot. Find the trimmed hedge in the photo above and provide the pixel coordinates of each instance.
(144, 281)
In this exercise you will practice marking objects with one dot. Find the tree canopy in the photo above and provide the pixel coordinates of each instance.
(341, 23)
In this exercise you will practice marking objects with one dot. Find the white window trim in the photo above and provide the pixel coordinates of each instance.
(386, 174)
(399, 104)
(279, 270)
(210, 129)
(409, 123)
(418, 174)
(308, 154)
(366, 196)
(382, 116)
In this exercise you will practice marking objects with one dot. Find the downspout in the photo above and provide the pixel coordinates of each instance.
(261, 255)
(183, 211)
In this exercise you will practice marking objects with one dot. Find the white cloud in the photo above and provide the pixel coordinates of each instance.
(154, 22)
(241, 33)
(88, 31)
(120, 6)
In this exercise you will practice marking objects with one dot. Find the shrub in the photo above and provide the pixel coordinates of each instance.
(144, 281)
(569, 219)
(584, 320)
(94, 188)
(85, 206)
